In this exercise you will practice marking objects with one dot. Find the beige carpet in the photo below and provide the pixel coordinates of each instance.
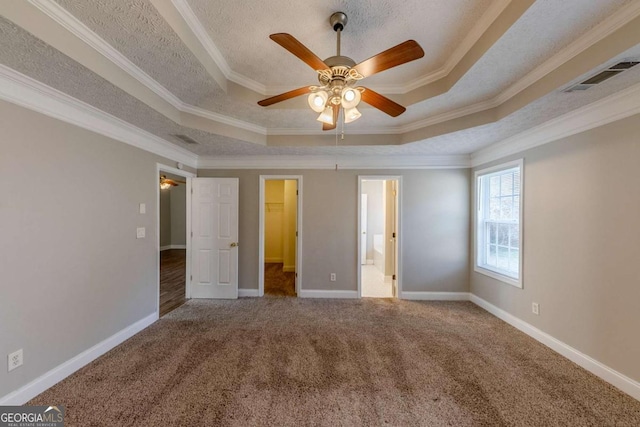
(288, 361)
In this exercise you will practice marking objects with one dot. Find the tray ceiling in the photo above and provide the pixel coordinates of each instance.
(199, 67)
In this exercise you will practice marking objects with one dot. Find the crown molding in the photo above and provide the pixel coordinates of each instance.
(350, 131)
(605, 28)
(84, 33)
(615, 107)
(472, 37)
(24, 91)
(467, 43)
(613, 23)
(449, 115)
(330, 162)
(207, 114)
(77, 28)
(203, 37)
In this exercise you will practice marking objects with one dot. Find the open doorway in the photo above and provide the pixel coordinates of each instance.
(280, 240)
(172, 238)
(378, 227)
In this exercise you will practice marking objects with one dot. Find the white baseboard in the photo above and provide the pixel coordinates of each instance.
(615, 378)
(273, 260)
(289, 268)
(435, 296)
(247, 293)
(60, 372)
(328, 294)
(165, 248)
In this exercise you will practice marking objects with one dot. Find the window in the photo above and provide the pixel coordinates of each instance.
(498, 222)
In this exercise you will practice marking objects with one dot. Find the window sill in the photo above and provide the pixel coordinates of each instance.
(501, 277)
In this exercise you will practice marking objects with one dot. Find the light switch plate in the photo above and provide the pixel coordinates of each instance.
(143, 208)
(140, 232)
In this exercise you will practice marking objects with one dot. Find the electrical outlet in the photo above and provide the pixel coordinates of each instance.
(140, 232)
(535, 308)
(14, 360)
(333, 277)
(143, 208)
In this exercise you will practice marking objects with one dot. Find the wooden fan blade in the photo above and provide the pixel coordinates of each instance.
(284, 96)
(397, 55)
(171, 182)
(336, 114)
(382, 103)
(292, 44)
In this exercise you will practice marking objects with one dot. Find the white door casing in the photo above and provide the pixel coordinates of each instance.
(397, 256)
(261, 230)
(395, 238)
(214, 239)
(363, 229)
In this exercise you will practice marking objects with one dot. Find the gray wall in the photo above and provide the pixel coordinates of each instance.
(435, 222)
(165, 217)
(173, 214)
(179, 214)
(72, 272)
(581, 245)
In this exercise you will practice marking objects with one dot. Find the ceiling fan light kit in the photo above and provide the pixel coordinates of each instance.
(339, 75)
(166, 183)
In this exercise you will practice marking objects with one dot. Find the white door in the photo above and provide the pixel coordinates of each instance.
(214, 225)
(394, 256)
(363, 229)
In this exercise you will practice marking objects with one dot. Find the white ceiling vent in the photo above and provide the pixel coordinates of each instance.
(185, 139)
(614, 70)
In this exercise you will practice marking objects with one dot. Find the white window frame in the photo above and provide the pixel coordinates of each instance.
(478, 205)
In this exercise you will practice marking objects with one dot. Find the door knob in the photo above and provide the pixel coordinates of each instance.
(234, 244)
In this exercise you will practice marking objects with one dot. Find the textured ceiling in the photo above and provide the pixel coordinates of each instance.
(373, 26)
(526, 45)
(240, 31)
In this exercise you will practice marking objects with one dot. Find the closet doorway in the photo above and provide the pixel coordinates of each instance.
(378, 236)
(280, 239)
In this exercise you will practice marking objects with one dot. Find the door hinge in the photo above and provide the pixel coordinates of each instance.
(191, 278)
(297, 192)
(394, 235)
(192, 234)
(296, 234)
(394, 277)
(191, 190)
(296, 274)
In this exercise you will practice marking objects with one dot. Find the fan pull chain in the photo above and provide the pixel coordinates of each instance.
(337, 146)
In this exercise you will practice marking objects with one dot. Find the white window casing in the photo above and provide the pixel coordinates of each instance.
(498, 243)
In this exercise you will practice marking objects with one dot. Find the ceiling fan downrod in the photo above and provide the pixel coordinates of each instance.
(338, 21)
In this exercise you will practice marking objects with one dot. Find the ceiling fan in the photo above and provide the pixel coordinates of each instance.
(166, 183)
(338, 76)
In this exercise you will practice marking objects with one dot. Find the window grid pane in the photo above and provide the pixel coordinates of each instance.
(500, 216)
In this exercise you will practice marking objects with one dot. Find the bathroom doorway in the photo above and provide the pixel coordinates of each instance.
(378, 239)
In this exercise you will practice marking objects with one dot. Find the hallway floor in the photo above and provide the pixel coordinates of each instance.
(172, 275)
(373, 283)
